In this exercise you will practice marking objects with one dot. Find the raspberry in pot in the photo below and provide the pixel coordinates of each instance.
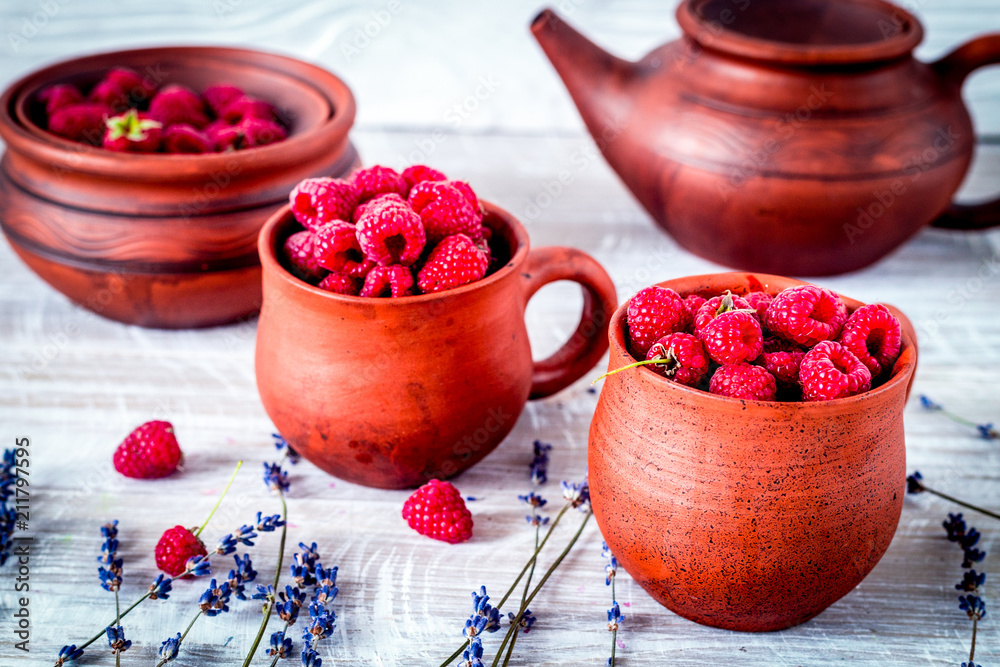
(217, 97)
(745, 381)
(259, 132)
(874, 336)
(178, 104)
(318, 201)
(245, 107)
(732, 337)
(469, 195)
(683, 356)
(59, 95)
(80, 122)
(149, 452)
(693, 303)
(378, 180)
(453, 262)
(339, 283)
(806, 315)
(419, 173)
(653, 313)
(438, 511)
(716, 306)
(337, 249)
(830, 371)
(175, 547)
(120, 89)
(391, 233)
(781, 359)
(300, 251)
(444, 211)
(181, 138)
(391, 281)
(759, 301)
(132, 132)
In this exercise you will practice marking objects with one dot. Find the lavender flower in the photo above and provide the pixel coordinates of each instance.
(310, 658)
(8, 520)
(954, 526)
(578, 495)
(485, 618)
(116, 639)
(322, 622)
(281, 646)
(611, 569)
(68, 654)
(282, 445)
(928, 404)
(971, 582)
(473, 656)
(197, 566)
(169, 648)
(987, 432)
(226, 545)
(268, 524)
(615, 617)
(160, 588)
(527, 620)
(326, 585)
(973, 606)
(215, 600)
(914, 483)
(288, 603)
(540, 463)
(110, 571)
(243, 574)
(275, 478)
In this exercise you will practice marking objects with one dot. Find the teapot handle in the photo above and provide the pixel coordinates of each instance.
(954, 67)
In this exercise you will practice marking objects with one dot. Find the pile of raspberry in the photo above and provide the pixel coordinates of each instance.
(127, 113)
(800, 344)
(385, 234)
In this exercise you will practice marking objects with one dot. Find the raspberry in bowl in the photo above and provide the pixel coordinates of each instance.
(731, 508)
(413, 382)
(154, 238)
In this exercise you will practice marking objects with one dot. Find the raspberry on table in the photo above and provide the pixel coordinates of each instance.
(318, 201)
(732, 337)
(149, 452)
(444, 211)
(684, 358)
(337, 249)
(217, 97)
(80, 122)
(378, 180)
(874, 336)
(716, 306)
(830, 371)
(781, 358)
(175, 547)
(300, 251)
(391, 233)
(806, 314)
(182, 138)
(437, 510)
(59, 95)
(178, 104)
(653, 313)
(340, 283)
(744, 381)
(453, 262)
(419, 173)
(391, 281)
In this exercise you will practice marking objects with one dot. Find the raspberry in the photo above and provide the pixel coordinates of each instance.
(337, 249)
(132, 132)
(453, 262)
(217, 97)
(300, 250)
(684, 358)
(245, 107)
(120, 89)
(716, 306)
(339, 283)
(176, 546)
(181, 138)
(806, 315)
(438, 511)
(419, 173)
(469, 195)
(149, 452)
(759, 301)
(653, 313)
(830, 371)
(781, 359)
(874, 336)
(59, 95)
(393, 281)
(692, 302)
(317, 201)
(259, 132)
(444, 211)
(742, 380)
(80, 122)
(733, 337)
(378, 180)
(377, 201)
(178, 104)
(391, 233)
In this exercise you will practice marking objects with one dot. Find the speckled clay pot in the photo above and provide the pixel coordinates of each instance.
(394, 392)
(746, 515)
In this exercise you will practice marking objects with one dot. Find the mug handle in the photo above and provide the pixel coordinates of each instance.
(590, 340)
(954, 67)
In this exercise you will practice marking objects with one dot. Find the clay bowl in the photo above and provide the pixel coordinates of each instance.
(746, 515)
(164, 240)
(391, 393)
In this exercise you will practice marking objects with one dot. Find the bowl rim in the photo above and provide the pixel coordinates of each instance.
(85, 158)
(276, 224)
(902, 371)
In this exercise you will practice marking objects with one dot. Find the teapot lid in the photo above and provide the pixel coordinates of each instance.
(803, 32)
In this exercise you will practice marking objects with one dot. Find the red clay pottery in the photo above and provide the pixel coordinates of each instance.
(791, 136)
(746, 515)
(164, 240)
(394, 392)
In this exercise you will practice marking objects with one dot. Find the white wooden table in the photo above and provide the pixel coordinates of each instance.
(76, 384)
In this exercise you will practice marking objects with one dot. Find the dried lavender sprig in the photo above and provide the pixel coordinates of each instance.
(985, 431)
(915, 484)
(615, 616)
(8, 515)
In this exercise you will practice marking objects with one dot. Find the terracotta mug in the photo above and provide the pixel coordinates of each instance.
(394, 392)
(746, 515)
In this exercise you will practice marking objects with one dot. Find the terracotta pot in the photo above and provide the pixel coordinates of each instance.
(164, 240)
(794, 136)
(746, 515)
(394, 392)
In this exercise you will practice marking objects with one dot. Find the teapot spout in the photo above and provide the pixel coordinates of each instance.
(594, 78)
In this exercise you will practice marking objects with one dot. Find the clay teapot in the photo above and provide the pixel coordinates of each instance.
(788, 136)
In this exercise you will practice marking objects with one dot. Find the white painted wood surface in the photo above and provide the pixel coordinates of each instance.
(76, 384)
